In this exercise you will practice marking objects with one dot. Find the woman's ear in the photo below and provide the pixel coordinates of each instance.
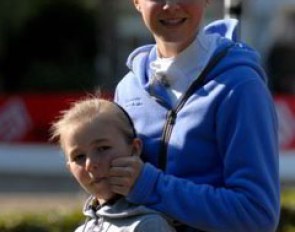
(136, 147)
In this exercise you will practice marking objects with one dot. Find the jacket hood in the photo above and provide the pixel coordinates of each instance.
(119, 209)
(225, 32)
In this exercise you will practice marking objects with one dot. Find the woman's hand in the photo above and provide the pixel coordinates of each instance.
(123, 173)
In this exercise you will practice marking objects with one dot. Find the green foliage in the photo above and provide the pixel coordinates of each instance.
(43, 222)
(287, 219)
(54, 221)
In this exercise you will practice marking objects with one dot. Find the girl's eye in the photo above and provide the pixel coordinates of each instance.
(79, 158)
(103, 148)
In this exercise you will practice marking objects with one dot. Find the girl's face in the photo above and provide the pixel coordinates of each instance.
(173, 22)
(90, 148)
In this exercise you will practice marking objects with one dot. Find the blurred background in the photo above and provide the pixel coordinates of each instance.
(55, 51)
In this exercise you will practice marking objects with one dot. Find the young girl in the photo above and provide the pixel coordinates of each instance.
(201, 105)
(92, 133)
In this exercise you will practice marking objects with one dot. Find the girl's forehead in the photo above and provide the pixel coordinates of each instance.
(106, 121)
(100, 129)
(111, 118)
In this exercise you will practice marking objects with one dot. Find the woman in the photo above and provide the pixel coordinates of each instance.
(200, 103)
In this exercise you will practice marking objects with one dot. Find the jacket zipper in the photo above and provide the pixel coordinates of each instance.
(172, 114)
(167, 131)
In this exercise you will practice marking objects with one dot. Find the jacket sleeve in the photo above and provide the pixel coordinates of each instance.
(248, 199)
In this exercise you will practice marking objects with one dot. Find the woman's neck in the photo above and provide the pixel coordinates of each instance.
(172, 49)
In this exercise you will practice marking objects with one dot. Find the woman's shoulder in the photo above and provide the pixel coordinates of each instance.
(241, 61)
(139, 53)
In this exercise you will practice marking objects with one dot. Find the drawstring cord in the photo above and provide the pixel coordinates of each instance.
(85, 224)
(94, 206)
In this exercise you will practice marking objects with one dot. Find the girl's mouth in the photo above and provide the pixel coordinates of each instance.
(97, 180)
(172, 22)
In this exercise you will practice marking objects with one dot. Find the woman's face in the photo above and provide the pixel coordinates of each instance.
(90, 149)
(172, 21)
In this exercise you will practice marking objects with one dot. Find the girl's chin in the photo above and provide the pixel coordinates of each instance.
(104, 198)
(105, 194)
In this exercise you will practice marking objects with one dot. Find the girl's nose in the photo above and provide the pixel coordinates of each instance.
(92, 163)
(171, 4)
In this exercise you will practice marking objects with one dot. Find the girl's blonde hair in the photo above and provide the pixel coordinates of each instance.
(87, 110)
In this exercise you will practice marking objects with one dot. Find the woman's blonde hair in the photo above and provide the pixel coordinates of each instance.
(87, 110)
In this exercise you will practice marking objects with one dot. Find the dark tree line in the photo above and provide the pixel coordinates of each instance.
(54, 50)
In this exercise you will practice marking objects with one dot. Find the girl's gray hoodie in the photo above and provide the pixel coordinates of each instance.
(123, 216)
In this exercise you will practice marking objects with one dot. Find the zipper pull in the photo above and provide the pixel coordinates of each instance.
(172, 117)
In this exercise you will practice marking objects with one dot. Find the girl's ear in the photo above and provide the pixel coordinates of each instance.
(137, 5)
(68, 166)
(136, 147)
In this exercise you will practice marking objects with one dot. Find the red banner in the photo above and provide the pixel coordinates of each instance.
(285, 106)
(26, 118)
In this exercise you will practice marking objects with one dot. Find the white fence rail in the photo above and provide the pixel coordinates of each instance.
(31, 159)
(49, 160)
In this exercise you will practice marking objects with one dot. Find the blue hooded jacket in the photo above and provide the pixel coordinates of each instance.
(222, 157)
